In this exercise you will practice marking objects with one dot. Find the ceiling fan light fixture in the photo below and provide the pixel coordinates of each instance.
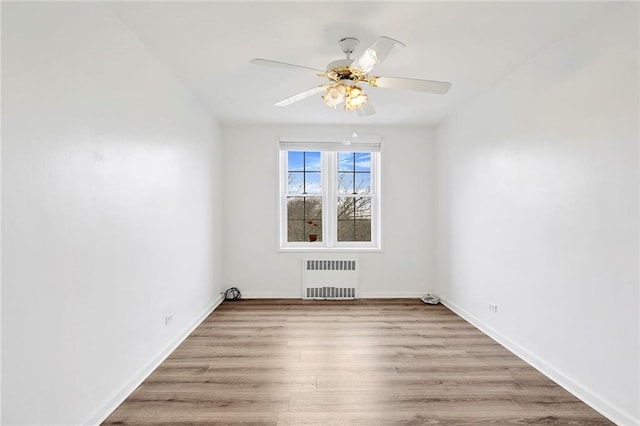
(334, 95)
(355, 98)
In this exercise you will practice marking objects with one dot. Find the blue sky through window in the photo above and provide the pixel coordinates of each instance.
(304, 175)
(299, 160)
(362, 161)
(354, 172)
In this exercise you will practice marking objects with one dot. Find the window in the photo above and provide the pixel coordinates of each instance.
(329, 195)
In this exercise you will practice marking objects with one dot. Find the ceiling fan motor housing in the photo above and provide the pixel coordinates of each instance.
(340, 70)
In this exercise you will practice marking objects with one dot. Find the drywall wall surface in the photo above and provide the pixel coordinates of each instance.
(111, 212)
(538, 212)
(252, 258)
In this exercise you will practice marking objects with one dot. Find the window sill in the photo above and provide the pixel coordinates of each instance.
(309, 249)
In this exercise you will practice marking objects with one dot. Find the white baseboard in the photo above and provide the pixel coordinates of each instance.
(391, 294)
(270, 295)
(363, 295)
(589, 397)
(147, 369)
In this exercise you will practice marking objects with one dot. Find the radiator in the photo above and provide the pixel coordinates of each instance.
(330, 279)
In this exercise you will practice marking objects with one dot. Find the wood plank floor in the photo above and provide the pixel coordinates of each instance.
(365, 362)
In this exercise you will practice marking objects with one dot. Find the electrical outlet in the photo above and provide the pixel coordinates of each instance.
(493, 308)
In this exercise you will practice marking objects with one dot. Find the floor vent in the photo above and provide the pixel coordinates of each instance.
(330, 279)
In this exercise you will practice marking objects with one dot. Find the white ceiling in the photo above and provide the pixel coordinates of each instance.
(207, 45)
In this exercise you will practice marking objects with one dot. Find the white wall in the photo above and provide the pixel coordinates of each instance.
(538, 212)
(111, 213)
(252, 260)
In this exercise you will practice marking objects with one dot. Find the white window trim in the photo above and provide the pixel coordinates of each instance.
(329, 148)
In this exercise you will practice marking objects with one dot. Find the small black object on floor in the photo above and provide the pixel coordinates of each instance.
(232, 294)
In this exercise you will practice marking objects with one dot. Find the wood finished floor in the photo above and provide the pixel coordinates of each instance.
(365, 362)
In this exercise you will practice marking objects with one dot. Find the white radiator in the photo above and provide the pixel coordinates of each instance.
(330, 279)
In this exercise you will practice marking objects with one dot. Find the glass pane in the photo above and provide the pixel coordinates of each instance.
(358, 230)
(295, 208)
(303, 172)
(345, 183)
(312, 161)
(363, 161)
(363, 183)
(304, 183)
(354, 161)
(313, 230)
(354, 183)
(295, 183)
(345, 161)
(304, 218)
(354, 173)
(354, 207)
(346, 207)
(313, 185)
(295, 161)
(295, 230)
(354, 219)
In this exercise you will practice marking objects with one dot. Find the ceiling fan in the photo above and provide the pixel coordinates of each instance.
(345, 75)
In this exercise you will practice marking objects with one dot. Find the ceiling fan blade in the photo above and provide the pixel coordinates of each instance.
(270, 63)
(429, 86)
(366, 109)
(377, 52)
(302, 95)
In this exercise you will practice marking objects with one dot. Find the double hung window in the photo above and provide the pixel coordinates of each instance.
(329, 195)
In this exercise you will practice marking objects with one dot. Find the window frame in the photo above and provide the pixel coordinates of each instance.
(329, 150)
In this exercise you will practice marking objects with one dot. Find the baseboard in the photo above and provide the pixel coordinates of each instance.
(391, 294)
(145, 371)
(254, 295)
(590, 398)
(363, 295)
